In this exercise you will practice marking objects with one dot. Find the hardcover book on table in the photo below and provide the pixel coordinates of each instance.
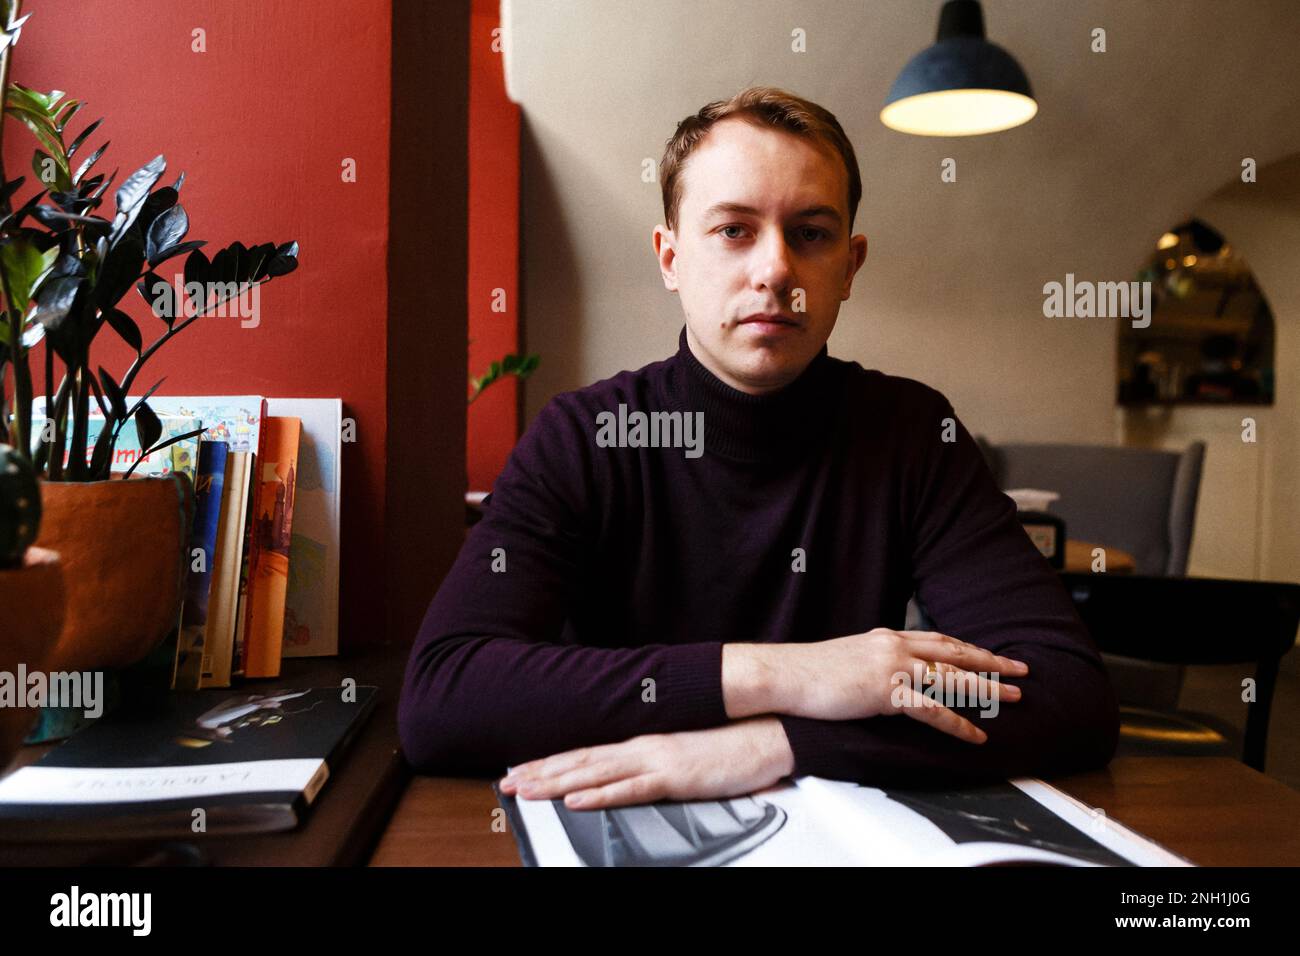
(237, 762)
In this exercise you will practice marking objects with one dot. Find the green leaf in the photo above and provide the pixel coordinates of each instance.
(33, 334)
(48, 258)
(131, 194)
(19, 95)
(103, 448)
(124, 326)
(99, 400)
(161, 296)
(98, 190)
(43, 130)
(56, 300)
(165, 232)
(161, 445)
(83, 136)
(41, 162)
(114, 393)
(118, 271)
(24, 266)
(178, 250)
(63, 115)
(147, 427)
(519, 366)
(90, 161)
(145, 397)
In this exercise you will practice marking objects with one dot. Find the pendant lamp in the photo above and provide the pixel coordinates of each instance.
(963, 85)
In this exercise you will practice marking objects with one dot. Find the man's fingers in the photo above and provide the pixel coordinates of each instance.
(972, 684)
(919, 707)
(643, 788)
(929, 645)
(567, 772)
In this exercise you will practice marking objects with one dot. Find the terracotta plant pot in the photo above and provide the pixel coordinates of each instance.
(123, 547)
(31, 607)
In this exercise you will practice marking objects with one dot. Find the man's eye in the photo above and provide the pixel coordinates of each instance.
(816, 233)
(725, 228)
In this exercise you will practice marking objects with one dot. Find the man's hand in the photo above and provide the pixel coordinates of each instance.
(848, 678)
(727, 761)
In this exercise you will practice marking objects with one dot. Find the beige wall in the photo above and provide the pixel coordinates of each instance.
(1249, 513)
(1127, 142)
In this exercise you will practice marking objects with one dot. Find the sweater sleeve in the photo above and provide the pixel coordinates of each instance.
(982, 581)
(492, 679)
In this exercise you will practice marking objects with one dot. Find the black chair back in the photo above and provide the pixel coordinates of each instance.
(1195, 621)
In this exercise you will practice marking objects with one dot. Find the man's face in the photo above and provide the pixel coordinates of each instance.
(761, 256)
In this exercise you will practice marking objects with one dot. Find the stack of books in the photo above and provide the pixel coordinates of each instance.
(239, 762)
(263, 554)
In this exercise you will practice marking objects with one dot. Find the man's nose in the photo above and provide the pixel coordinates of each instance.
(772, 266)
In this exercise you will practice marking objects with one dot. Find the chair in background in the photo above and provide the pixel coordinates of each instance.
(1192, 621)
(1140, 500)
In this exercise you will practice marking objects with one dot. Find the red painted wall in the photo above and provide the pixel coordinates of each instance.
(493, 422)
(261, 124)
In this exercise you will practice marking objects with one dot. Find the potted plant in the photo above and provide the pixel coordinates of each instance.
(31, 591)
(64, 272)
(520, 366)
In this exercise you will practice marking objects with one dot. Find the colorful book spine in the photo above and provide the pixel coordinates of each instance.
(236, 420)
(223, 598)
(269, 560)
(208, 488)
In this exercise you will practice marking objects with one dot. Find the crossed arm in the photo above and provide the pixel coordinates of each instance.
(856, 676)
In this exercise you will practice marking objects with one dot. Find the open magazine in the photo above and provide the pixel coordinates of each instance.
(812, 821)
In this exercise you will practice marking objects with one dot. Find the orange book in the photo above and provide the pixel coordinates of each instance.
(268, 572)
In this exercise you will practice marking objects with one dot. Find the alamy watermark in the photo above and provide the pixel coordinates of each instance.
(76, 908)
(1085, 300)
(950, 687)
(241, 300)
(74, 689)
(639, 429)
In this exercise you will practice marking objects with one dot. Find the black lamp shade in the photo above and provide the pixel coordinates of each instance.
(962, 85)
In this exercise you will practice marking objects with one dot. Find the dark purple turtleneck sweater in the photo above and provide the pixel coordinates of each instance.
(597, 569)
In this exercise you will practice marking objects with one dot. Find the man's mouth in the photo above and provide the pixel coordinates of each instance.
(768, 319)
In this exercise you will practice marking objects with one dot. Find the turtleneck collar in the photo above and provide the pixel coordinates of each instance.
(755, 427)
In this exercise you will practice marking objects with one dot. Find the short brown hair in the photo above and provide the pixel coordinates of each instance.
(762, 106)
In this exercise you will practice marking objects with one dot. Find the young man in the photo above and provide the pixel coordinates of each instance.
(643, 615)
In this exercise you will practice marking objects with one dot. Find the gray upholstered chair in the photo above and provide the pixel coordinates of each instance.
(1139, 500)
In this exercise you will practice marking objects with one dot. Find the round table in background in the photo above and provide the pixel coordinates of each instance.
(1078, 557)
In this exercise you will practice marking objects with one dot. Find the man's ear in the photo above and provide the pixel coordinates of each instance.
(857, 254)
(664, 243)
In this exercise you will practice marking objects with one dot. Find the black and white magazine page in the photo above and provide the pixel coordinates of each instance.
(812, 821)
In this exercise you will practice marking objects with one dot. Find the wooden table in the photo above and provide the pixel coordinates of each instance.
(1078, 557)
(1213, 810)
